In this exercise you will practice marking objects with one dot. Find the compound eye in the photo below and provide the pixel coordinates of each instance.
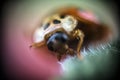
(50, 46)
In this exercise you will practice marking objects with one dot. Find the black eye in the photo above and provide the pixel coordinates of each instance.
(62, 16)
(56, 21)
(46, 26)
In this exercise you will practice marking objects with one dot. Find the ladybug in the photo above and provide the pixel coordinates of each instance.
(68, 30)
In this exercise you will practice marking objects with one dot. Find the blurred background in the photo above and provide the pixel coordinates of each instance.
(20, 18)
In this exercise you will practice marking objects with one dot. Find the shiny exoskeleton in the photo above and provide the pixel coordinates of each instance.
(68, 31)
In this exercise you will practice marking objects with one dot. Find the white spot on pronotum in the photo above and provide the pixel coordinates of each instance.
(69, 23)
(38, 35)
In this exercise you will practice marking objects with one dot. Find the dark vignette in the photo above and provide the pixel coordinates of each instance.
(3, 76)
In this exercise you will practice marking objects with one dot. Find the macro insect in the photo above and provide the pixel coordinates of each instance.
(68, 30)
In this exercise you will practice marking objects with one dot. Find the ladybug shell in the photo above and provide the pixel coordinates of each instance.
(95, 32)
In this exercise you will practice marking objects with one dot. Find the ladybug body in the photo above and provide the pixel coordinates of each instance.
(69, 30)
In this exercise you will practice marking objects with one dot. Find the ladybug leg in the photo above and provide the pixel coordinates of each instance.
(70, 51)
(79, 35)
(39, 44)
(59, 57)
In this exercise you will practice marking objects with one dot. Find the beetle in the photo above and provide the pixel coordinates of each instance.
(68, 30)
